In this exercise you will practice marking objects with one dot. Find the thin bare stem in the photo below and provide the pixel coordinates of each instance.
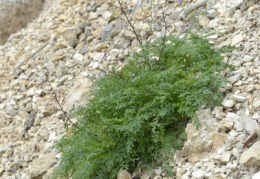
(130, 23)
(164, 38)
(61, 108)
(31, 56)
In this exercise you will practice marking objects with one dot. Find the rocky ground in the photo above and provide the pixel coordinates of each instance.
(70, 40)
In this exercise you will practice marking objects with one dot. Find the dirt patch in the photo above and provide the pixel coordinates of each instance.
(15, 15)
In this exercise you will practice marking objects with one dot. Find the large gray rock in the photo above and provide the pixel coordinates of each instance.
(251, 157)
(111, 30)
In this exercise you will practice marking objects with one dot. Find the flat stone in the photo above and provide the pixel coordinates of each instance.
(107, 15)
(198, 174)
(83, 51)
(92, 16)
(251, 157)
(236, 40)
(212, 13)
(146, 27)
(95, 65)
(11, 110)
(111, 30)
(2, 105)
(122, 43)
(236, 153)
(225, 157)
(62, 79)
(227, 86)
(204, 21)
(123, 174)
(186, 175)
(229, 125)
(247, 58)
(229, 103)
(78, 57)
(238, 127)
(248, 124)
(239, 98)
(113, 53)
(234, 78)
(256, 105)
(158, 171)
(218, 110)
(232, 117)
(129, 35)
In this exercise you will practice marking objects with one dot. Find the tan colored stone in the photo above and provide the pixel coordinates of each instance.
(58, 58)
(251, 157)
(218, 140)
(204, 21)
(123, 174)
(142, 13)
(41, 165)
(97, 33)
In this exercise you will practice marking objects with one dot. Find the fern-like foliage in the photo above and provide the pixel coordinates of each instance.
(131, 114)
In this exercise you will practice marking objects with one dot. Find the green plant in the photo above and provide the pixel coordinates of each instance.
(132, 115)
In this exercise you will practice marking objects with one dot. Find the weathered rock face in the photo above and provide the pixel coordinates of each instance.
(41, 165)
(15, 15)
(201, 142)
(251, 157)
(77, 38)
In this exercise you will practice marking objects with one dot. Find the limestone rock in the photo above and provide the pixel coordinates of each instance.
(97, 33)
(76, 94)
(198, 174)
(123, 174)
(228, 103)
(111, 30)
(256, 175)
(41, 165)
(200, 142)
(251, 157)
(248, 124)
(107, 15)
(225, 157)
(234, 78)
(236, 40)
(204, 21)
(256, 105)
(78, 57)
(239, 98)
(71, 37)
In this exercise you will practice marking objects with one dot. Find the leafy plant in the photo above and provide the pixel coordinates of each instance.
(132, 115)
